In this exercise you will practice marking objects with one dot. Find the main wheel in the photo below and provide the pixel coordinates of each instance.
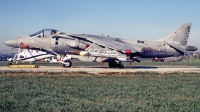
(112, 64)
(68, 63)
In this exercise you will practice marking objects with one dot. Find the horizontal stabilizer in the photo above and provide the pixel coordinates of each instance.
(179, 49)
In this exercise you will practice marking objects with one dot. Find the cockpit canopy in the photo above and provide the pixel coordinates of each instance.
(44, 33)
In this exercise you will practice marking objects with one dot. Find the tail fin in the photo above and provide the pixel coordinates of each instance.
(178, 36)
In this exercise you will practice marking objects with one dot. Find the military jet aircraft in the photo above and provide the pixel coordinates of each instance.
(104, 48)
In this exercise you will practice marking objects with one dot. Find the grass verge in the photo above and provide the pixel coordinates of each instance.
(80, 91)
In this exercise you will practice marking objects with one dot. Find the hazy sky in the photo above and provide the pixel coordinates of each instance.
(130, 19)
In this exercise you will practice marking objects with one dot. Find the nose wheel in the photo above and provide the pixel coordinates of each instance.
(67, 63)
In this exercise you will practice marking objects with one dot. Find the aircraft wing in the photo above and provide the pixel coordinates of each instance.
(110, 42)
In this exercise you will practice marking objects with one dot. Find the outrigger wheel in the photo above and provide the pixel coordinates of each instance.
(67, 63)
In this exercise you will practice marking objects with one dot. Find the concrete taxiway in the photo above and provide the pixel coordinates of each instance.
(160, 69)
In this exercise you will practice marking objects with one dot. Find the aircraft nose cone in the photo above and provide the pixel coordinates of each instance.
(11, 43)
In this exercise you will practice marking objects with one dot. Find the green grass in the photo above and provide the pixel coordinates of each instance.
(80, 91)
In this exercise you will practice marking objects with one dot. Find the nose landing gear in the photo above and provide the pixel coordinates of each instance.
(67, 63)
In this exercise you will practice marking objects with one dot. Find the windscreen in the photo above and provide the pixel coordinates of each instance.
(44, 33)
(35, 34)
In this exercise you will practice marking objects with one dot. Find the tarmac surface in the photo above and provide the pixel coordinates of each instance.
(95, 69)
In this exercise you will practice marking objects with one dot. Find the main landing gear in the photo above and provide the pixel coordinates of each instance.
(114, 64)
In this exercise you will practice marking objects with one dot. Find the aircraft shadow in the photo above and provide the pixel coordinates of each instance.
(126, 67)
(143, 67)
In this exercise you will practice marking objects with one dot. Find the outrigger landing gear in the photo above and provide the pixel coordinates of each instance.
(114, 64)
